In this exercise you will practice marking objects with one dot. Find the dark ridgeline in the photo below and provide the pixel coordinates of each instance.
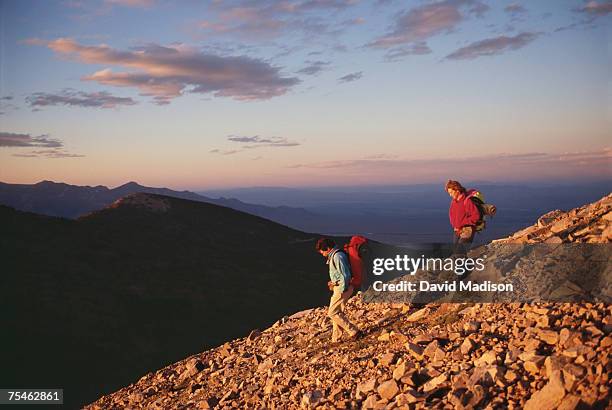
(72, 201)
(92, 304)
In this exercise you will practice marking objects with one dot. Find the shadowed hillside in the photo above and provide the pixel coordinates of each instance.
(91, 304)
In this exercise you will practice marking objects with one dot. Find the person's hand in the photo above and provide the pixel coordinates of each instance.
(466, 232)
(331, 285)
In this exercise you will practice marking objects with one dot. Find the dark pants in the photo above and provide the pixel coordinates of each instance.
(462, 242)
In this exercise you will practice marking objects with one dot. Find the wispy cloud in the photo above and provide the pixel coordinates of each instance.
(237, 138)
(25, 155)
(397, 54)
(590, 13)
(516, 12)
(246, 27)
(107, 4)
(224, 152)
(354, 21)
(9, 139)
(265, 19)
(314, 67)
(515, 9)
(167, 72)
(88, 10)
(49, 153)
(6, 103)
(52, 147)
(381, 156)
(257, 142)
(422, 22)
(70, 97)
(254, 142)
(492, 46)
(351, 77)
(597, 8)
(131, 3)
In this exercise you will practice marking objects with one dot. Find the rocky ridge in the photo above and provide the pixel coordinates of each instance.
(153, 203)
(444, 355)
(590, 223)
(564, 257)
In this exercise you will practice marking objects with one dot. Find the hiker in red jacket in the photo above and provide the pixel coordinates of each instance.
(463, 215)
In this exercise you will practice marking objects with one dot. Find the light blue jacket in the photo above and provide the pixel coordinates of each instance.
(339, 268)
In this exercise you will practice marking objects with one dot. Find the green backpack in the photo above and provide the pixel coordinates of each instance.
(483, 208)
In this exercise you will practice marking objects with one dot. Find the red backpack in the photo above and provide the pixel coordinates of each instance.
(356, 250)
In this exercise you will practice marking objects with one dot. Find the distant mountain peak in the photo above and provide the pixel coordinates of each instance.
(130, 185)
(49, 183)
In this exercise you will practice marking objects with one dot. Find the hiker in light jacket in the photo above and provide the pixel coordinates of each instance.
(339, 284)
(463, 215)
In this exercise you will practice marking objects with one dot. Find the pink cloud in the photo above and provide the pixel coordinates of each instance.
(47, 147)
(11, 140)
(423, 22)
(598, 8)
(166, 72)
(492, 46)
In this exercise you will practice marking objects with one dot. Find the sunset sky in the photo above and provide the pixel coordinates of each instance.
(208, 94)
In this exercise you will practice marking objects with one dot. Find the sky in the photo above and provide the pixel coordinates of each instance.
(219, 94)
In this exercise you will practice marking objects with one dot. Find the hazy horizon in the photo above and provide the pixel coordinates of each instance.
(348, 187)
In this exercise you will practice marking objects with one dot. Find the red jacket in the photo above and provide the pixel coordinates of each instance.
(463, 212)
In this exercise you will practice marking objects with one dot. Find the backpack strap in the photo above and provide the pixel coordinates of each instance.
(348, 263)
(332, 258)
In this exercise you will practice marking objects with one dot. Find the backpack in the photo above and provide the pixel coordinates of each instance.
(484, 209)
(356, 250)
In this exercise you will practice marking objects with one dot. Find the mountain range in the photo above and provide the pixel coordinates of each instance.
(72, 201)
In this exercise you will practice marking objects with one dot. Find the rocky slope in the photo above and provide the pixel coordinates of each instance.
(447, 355)
(591, 223)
